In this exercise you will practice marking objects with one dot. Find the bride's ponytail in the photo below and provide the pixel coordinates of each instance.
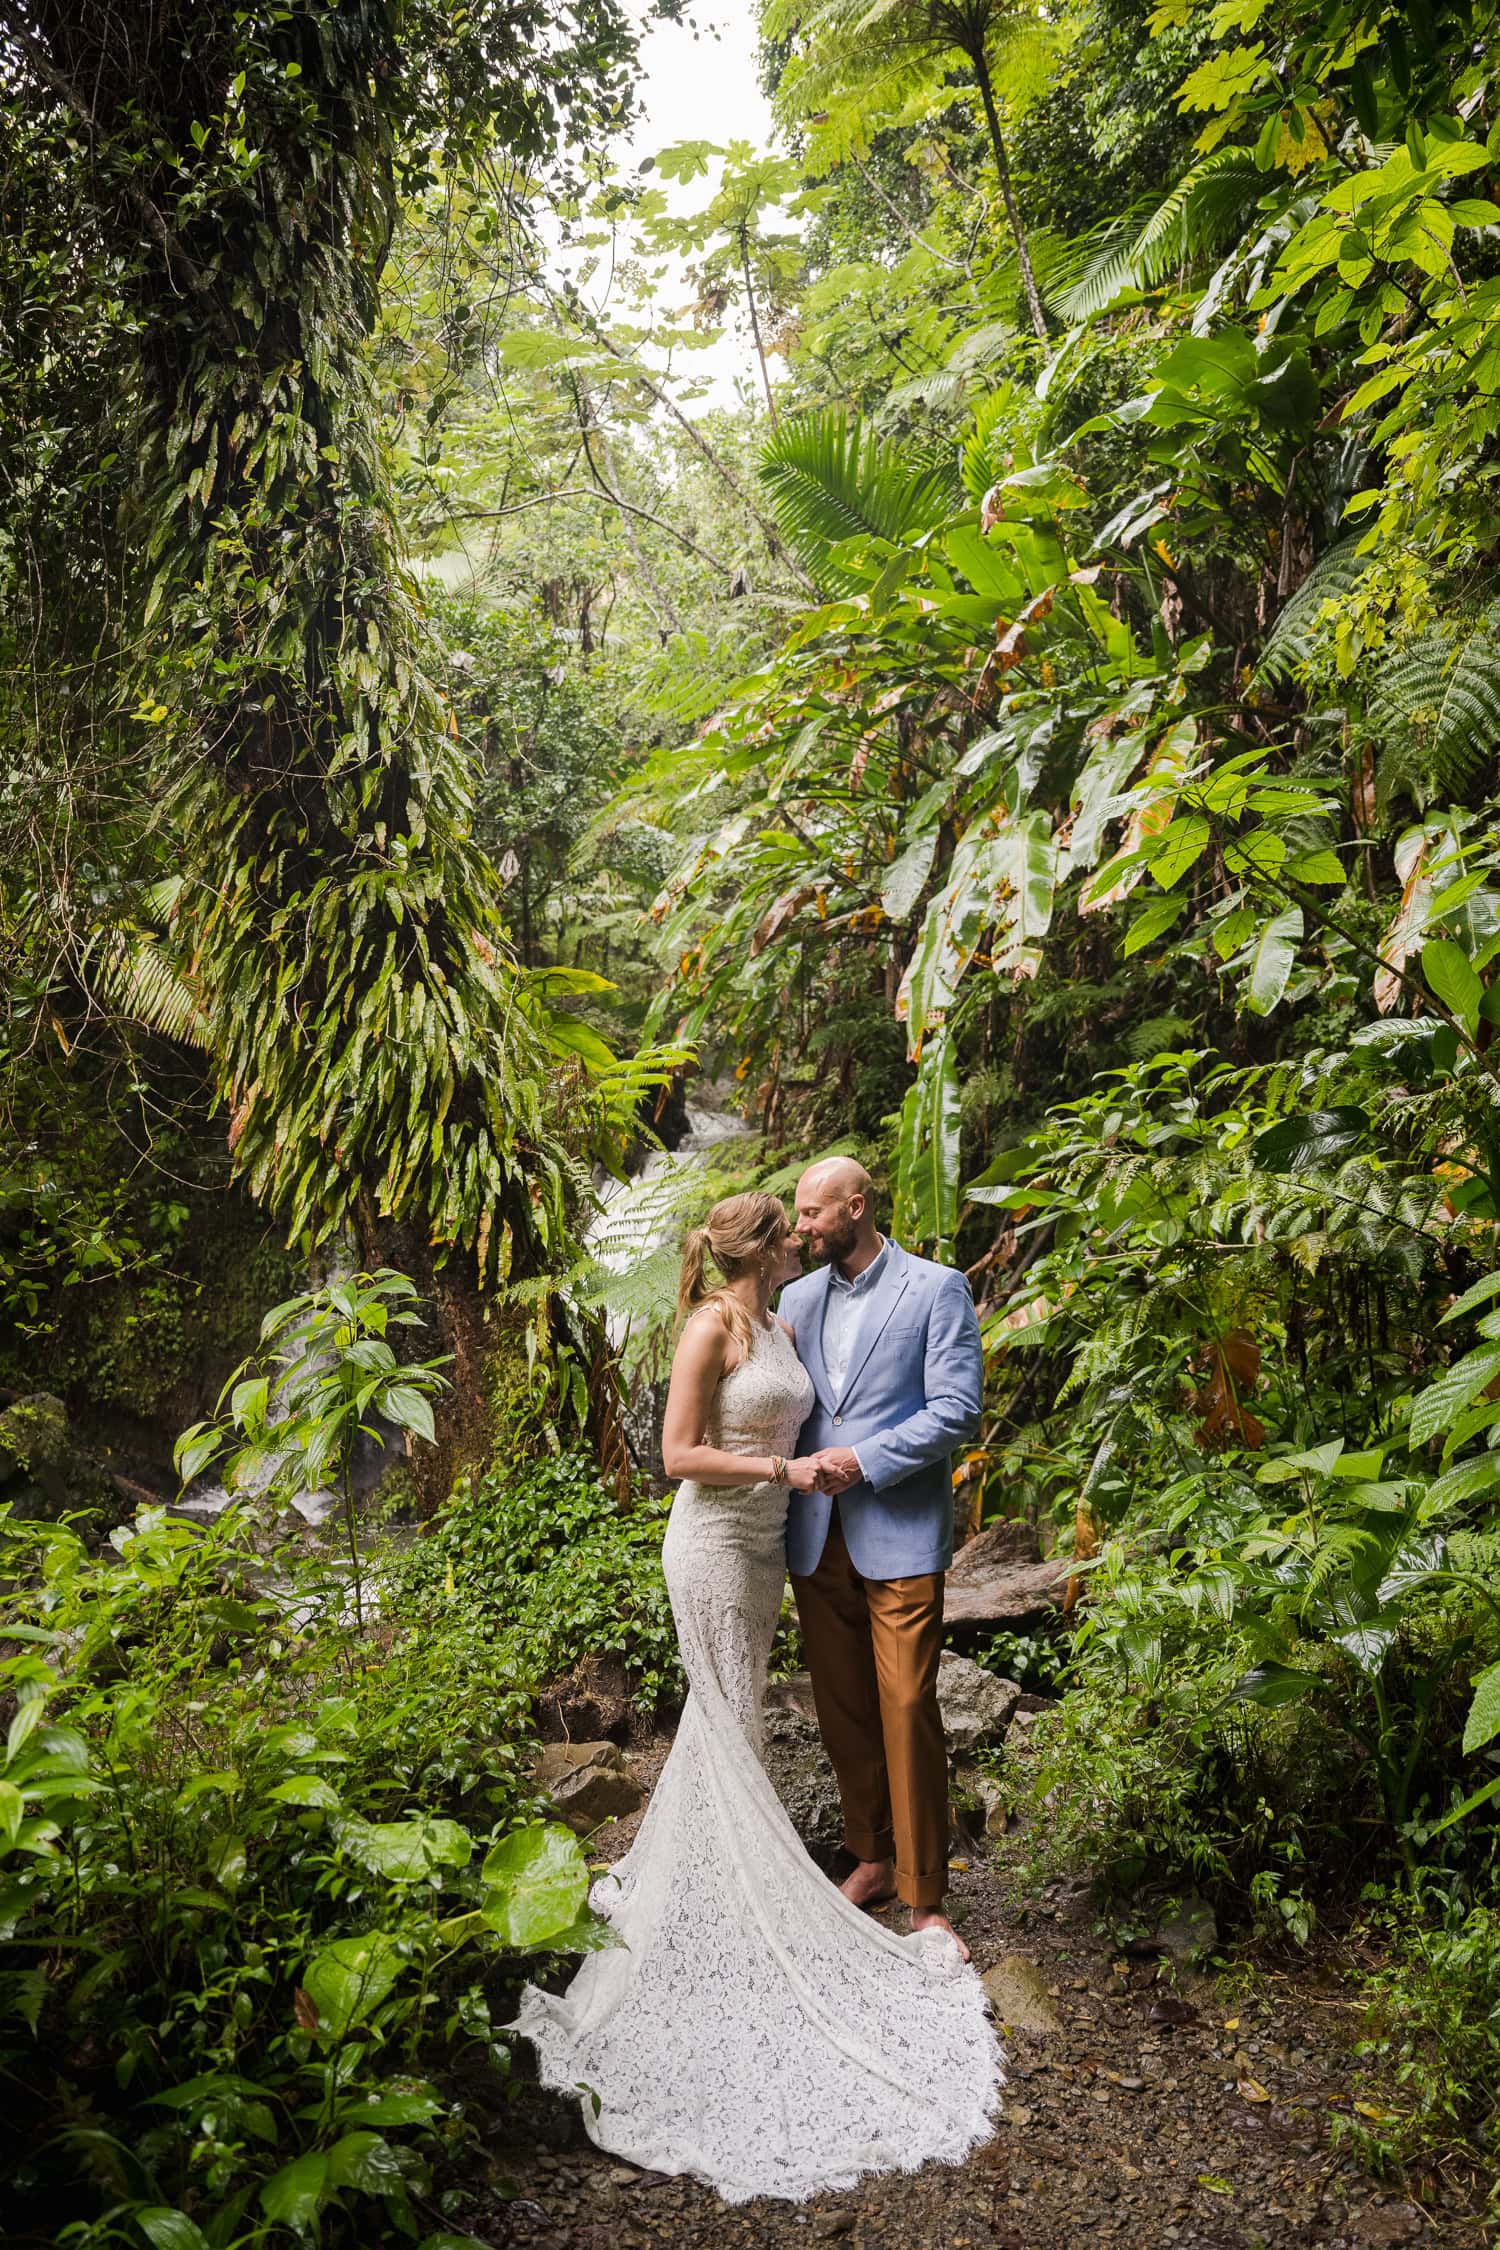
(692, 1287)
(741, 1232)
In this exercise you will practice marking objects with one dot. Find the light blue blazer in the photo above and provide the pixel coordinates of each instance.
(911, 1395)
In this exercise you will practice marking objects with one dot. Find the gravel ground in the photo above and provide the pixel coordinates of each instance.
(1156, 2111)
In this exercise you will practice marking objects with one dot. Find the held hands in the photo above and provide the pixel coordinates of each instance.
(832, 1470)
(837, 1468)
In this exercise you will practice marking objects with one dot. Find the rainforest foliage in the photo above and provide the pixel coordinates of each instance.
(1042, 733)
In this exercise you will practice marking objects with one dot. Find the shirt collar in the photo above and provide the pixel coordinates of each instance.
(864, 1281)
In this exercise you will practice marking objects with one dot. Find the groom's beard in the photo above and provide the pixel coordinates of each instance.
(834, 1248)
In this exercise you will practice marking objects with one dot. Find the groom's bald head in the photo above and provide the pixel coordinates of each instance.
(836, 1208)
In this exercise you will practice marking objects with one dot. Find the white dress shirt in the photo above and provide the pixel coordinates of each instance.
(844, 1312)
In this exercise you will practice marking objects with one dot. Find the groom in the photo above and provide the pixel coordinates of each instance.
(892, 1345)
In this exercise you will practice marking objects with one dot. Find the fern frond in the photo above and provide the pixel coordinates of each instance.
(1436, 704)
(1289, 644)
(135, 974)
(1193, 219)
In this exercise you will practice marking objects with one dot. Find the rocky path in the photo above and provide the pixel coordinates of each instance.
(1149, 2104)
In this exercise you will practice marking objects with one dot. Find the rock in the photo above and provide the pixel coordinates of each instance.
(999, 1578)
(45, 1475)
(830, 2223)
(1018, 1995)
(1380, 2224)
(1189, 1932)
(1010, 1543)
(979, 1804)
(798, 1765)
(592, 1703)
(589, 1782)
(977, 1705)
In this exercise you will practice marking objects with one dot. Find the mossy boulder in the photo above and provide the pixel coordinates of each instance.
(45, 1474)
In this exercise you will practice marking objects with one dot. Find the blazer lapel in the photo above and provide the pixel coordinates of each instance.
(810, 1337)
(877, 1312)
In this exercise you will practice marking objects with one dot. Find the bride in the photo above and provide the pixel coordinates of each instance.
(753, 2028)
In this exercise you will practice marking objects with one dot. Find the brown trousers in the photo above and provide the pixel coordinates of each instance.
(872, 1649)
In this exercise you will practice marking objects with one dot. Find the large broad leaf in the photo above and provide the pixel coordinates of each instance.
(1437, 1407)
(536, 1881)
(1002, 879)
(348, 1980)
(171, 2230)
(1269, 963)
(1311, 1138)
(1450, 974)
(1483, 1723)
(364, 2161)
(927, 1157)
(296, 2194)
(908, 875)
(1271, 1685)
(406, 1851)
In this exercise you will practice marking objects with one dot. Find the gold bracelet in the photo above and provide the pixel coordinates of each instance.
(778, 1469)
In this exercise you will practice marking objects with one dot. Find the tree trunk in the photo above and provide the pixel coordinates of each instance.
(1007, 192)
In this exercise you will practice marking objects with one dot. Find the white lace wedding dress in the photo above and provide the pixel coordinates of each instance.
(754, 2029)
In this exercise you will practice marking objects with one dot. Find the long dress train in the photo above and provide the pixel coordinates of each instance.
(754, 2029)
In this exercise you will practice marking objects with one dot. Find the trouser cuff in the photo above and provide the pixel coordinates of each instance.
(921, 1890)
(869, 1843)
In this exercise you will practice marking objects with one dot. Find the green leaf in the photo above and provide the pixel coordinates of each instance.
(170, 2230)
(1450, 975)
(536, 1882)
(1435, 1408)
(308, 1789)
(1180, 846)
(348, 1980)
(907, 876)
(1272, 1685)
(364, 2161)
(1311, 1138)
(927, 1151)
(1318, 867)
(406, 1851)
(409, 1409)
(418, 2107)
(296, 2193)
(1483, 1722)
(1271, 958)
(1153, 921)
(1475, 1294)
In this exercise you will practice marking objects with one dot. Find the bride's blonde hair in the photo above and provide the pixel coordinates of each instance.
(740, 1233)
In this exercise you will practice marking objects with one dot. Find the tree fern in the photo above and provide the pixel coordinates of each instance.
(1436, 708)
(1289, 644)
(831, 478)
(1194, 218)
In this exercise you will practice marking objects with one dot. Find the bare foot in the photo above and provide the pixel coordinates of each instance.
(871, 1883)
(931, 1918)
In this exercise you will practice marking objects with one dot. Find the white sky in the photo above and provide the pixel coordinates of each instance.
(700, 82)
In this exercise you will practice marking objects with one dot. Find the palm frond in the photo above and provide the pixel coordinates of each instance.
(1436, 706)
(1193, 219)
(1289, 643)
(831, 478)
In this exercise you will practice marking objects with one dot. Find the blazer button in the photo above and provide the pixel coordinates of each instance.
(838, 1421)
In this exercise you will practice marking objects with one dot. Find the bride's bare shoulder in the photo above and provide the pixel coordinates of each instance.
(706, 1341)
